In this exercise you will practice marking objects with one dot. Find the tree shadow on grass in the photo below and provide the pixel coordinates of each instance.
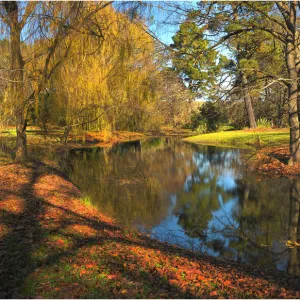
(52, 245)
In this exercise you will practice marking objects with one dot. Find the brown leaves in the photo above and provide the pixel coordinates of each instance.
(12, 204)
(83, 272)
(213, 294)
(96, 259)
(269, 161)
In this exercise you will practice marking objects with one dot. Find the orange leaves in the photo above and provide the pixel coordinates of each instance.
(97, 260)
(3, 230)
(201, 278)
(191, 271)
(83, 230)
(12, 204)
(227, 283)
(174, 282)
(83, 272)
(269, 161)
(59, 242)
(90, 266)
(213, 294)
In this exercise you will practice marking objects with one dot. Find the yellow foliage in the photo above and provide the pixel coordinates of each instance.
(292, 244)
(113, 70)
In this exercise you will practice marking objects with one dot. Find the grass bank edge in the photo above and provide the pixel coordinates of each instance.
(246, 139)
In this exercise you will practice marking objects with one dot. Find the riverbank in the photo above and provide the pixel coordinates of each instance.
(270, 148)
(39, 141)
(52, 141)
(55, 244)
(248, 139)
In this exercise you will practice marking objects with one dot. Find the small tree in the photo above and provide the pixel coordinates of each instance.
(209, 118)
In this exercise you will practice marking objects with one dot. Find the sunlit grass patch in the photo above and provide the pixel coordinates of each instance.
(243, 138)
(86, 200)
(76, 277)
(51, 247)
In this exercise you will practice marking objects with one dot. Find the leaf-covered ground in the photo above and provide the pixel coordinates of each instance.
(273, 161)
(52, 245)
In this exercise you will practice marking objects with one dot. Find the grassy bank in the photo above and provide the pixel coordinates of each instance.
(244, 138)
(55, 244)
(38, 140)
(271, 146)
(36, 137)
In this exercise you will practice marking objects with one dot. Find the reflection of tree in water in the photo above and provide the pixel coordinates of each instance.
(207, 190)
(254, 228)
(132, 181)
(294, 226)
(268, 217)
(262, 216)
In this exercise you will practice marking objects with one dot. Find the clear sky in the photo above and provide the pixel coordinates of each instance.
(165, 18)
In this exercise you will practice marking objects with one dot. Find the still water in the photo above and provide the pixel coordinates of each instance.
(199, 197)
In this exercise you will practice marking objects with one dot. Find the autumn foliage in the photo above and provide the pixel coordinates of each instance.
(54, 246)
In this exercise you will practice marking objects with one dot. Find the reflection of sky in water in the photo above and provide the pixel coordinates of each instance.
(222, 221)
(170, 231)
(227, 180)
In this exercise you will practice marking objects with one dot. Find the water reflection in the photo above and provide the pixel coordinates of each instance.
(294, 226)
(199, 197)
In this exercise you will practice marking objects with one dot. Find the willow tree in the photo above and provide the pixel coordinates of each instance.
(118, 73)
(47, 25)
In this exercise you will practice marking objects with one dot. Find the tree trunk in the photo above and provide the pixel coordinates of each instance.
(280, 105)
(66, 134)
(17, 75)
(293, 105)
(17, 94)
(248, 102)
(293, 235)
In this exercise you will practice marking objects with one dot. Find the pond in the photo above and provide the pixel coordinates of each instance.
(199, 197)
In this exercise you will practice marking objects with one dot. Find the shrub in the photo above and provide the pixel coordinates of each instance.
(209, 118)
(264, 123)
(201, 128)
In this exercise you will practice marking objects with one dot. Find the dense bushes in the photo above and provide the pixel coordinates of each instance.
(209, 118)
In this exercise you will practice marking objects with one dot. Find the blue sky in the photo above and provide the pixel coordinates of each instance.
(165, 21)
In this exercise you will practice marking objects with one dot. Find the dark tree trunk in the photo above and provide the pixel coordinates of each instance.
(281, 108)
(293, 104)
(17, 93)
(17, 76)
(293, 232)
(248, 103)
(66, 134)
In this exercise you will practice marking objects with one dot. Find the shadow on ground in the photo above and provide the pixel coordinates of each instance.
(54, 246)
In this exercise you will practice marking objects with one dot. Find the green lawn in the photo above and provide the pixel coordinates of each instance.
(243, 138)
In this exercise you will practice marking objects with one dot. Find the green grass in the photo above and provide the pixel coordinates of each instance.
(243, 138)
(86, 200)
